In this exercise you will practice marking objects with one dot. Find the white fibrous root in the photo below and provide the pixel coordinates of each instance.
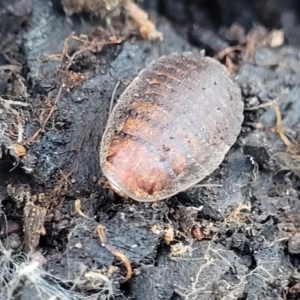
(21, 272)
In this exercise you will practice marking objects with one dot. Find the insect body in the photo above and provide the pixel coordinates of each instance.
(171, 127)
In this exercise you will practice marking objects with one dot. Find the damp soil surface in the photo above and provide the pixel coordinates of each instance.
(64, 234)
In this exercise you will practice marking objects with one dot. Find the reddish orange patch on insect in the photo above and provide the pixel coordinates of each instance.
(137, 167)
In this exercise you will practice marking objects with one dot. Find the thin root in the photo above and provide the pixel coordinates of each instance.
(222, 53)
(121, 256)
(53, 108)
(44, 124)
(79, 211)
(239, 214)
(65, 50)
(64, 179)
(36, 134)
(278, 127)
(112, 100)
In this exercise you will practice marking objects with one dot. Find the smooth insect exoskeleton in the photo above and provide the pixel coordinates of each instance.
(171, 127)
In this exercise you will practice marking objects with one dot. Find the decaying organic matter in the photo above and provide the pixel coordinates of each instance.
(96, 6)
(171, 128)
(108, 9)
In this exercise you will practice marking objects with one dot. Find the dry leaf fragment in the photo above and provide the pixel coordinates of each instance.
(19, 150)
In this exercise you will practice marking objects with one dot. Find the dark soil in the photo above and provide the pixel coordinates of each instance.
(235, 237)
